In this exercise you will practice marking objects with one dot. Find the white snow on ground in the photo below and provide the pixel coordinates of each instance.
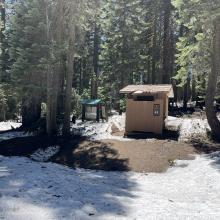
(189, 128)
(33, 191)
(102, 130)
(43, 155)
(4, 126)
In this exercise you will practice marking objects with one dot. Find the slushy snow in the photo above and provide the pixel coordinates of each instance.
(33, 191)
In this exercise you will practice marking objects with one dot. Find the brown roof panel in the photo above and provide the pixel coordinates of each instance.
(148, 89)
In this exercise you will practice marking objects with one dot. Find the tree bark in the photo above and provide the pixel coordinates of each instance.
(52, 87)
(166, 43)
(69, 80)
(94, 84)
(212, 81)
(2, 41)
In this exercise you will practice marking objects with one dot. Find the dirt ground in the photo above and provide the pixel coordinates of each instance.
(150, 155)
(137, 155)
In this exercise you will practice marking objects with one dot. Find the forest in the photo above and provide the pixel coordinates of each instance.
(55, 53)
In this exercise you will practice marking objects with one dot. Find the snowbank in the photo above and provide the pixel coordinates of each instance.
(43, 155)
(32, 191)
(8, 125)
(102, 130)
(189, 128)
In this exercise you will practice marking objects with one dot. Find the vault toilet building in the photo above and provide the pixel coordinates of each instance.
(146, 107)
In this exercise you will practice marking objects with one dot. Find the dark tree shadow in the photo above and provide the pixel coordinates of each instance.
(73, 153)
(211, 150)
(91, 155)
(205, 147)
(215, 158)
(25, 146)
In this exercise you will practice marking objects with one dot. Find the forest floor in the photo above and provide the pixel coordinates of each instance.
(39, 182)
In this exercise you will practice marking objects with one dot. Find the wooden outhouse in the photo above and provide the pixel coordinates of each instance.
(146, 107)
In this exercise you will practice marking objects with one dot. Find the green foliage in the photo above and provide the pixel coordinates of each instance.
(9, 105)
(28, 46)
(195, 21)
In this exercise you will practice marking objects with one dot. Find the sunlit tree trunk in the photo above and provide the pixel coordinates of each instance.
(52, 87)
(166, 43)
(69, 80)
(212, 81)
(94, 84)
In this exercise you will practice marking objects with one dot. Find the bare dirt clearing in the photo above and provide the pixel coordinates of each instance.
(137, 155)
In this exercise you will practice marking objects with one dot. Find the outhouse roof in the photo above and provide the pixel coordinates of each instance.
(91, 101)
(168, 89)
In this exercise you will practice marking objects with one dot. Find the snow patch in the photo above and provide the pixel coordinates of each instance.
(8, 125)
(193, 128)
(102, 130)
(43, 155)
(188, 128)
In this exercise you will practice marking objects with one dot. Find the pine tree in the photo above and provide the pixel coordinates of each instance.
(28, 51)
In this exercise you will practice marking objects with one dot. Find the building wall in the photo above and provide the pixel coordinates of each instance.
(140, 116)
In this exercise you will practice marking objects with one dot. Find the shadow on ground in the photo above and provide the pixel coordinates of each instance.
(216, 160)
(94, 156)
(51, 191)
(167, 135)
(203, 146)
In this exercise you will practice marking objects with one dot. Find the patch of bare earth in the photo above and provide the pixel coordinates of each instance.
(137, 155)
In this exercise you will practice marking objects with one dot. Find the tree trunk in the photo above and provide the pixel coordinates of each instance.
(154, 51)
(3, 42)
(186, 93)
(94, 84)
(193, 88)
(61, 74)
(69, 80)
(166, 43)
(52, 87)
(212, 81)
